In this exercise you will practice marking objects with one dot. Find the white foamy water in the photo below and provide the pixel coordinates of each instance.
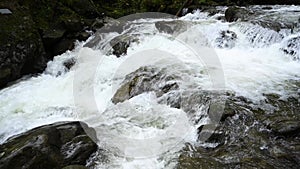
(140, 132)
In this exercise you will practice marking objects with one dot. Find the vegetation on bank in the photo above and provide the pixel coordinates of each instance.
(118, 8)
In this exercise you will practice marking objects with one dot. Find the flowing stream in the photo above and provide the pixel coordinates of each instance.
(142, 132)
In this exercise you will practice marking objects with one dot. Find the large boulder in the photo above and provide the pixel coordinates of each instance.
(145, 79)
(51, 146)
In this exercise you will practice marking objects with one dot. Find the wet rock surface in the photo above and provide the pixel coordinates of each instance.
(145, 79)
(171, 27)
(247, 140)
(51, 146)
(237, 13)
(121, 43)
(242, 134)
(291, 48)
(254, 135)
(226, 39)
(263, 17)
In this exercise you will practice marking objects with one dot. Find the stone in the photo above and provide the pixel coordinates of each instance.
(292, 47)
(121, 43)
(234, 13)
(51, 146)
(171, 27)
(226, 39)
(145, 79)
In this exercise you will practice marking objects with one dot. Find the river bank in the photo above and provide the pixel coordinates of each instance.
(149, 109)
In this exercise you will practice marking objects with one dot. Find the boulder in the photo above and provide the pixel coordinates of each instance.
(121, 43)
(51, 146)
(145, 79)
(234, 13)
(171, 27)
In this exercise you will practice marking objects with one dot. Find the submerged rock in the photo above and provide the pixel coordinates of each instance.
(68, 64)
(121, 43)
(51, 146)
(226, 39)
(292, 48)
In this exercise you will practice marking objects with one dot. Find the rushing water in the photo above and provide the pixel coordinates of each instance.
(140, 132)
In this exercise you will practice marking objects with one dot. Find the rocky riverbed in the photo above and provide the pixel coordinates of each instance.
(213, 87)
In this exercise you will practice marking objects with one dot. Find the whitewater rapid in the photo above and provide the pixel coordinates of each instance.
(250, 68)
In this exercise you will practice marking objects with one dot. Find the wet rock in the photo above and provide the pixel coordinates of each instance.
(233, 14)
(291, 48)
(211, 133)
(226, 39)
(51, 37)
(83, 36)
(51, 146)
(197, 161)
(171, 27)
(252, 135)
(286, 127)
(121, 43)
(211, 10)
(267, 8)
(63, 46)
(69, 63)
(145, 79)
(73, 24)
(75, 167)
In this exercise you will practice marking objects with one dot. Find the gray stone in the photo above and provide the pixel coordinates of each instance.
(49, 147)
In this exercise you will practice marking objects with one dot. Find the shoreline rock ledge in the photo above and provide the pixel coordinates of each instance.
(53, 146)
